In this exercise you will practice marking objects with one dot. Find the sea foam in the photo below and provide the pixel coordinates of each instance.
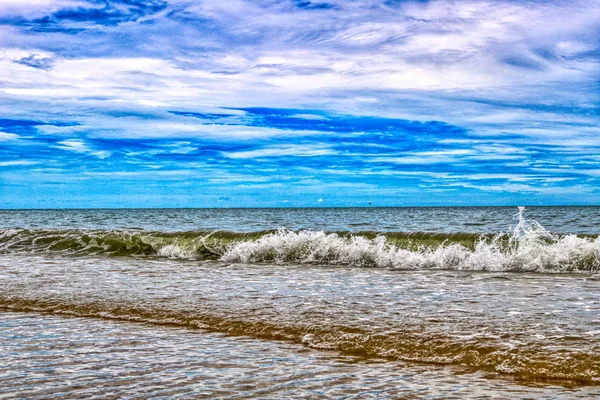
(529, 248)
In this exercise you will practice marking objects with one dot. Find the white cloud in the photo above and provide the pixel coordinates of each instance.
(436, 46)
(5, 136)
(73, 145)
(279, 151)
(78, 146)
(36, 8)
(16, 163)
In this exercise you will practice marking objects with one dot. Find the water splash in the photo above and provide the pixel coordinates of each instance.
(521, 227)
(525, 228)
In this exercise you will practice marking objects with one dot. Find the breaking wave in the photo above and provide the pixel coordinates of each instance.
(529, 247)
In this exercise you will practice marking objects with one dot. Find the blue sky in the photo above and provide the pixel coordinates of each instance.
(291, 103)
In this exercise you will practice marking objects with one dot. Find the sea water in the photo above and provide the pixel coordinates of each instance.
(372, 302)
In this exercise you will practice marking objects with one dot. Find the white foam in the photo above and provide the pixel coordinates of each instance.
(176, 251)
(530, 248)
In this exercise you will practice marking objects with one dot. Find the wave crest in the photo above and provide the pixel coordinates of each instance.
(535, 250)
(530, 247)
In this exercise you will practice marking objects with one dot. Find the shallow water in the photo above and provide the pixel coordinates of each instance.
(533, 327)
(394, 313)
(49, 356)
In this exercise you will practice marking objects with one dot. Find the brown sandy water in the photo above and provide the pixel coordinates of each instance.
(48, 356)
(533, 329)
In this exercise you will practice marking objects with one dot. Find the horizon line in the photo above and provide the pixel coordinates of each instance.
(295, 207)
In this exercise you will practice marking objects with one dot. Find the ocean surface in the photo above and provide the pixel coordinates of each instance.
(484, 302)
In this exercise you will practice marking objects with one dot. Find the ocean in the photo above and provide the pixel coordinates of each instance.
(440, 302)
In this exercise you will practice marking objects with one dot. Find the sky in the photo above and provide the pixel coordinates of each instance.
(292, 103)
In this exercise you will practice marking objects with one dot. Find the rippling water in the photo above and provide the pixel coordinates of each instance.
(43, 356)
(233, 306)
(409, 219)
